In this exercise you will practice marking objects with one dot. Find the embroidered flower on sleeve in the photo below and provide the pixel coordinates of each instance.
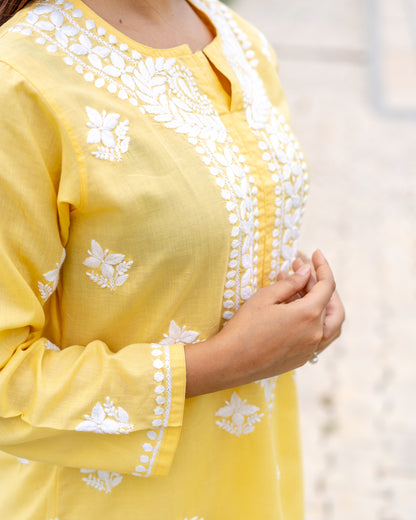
(107, 132)
(109, 269)
(106, 419)
(239, 417)
(179, 335)
(52, 278)
(101, 480)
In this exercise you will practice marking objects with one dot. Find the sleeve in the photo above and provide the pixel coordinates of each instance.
(83, 406)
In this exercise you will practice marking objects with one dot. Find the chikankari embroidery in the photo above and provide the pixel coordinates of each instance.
(169, 93)
(106, 419)
(101, 480)
(277, 143)
(52, 278)
(109, 269)
(108, 133)
(179, 335)
(238, 417)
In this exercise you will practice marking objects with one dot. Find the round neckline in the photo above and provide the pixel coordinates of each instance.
(173, 52)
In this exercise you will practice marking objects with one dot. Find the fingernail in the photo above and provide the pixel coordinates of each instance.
(304, 270)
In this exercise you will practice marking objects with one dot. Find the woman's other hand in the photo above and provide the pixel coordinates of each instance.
(334, 312)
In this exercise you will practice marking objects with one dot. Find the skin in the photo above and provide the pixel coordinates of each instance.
(264, 338)
(160, 24)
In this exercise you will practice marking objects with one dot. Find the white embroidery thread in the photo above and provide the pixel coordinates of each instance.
(107, 132)
(52, 277)
(179, 335)
(163, 402)
(102, 480)
(239, 417)
(109, 269)
(106, 419)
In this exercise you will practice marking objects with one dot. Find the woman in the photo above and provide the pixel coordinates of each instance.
(151, 192)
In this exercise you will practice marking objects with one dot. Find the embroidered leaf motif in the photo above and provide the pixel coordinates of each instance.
(179, 335)
(106, 419)
(102, 480)
(108, 132)
(52, 277)
(110, 269)
(239, 418)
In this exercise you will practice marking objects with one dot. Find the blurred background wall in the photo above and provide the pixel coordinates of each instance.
(349, 71)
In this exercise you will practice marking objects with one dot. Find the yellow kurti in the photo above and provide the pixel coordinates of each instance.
(145, 195)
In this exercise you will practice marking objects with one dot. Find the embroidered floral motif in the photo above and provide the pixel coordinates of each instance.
(179, 335)
(110, 270)
(102, 480)
(51, 346)
(52, 277)
(239, 418)
(106, 419)
(108, 132)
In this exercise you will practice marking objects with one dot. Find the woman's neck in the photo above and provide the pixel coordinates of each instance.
(156, 23)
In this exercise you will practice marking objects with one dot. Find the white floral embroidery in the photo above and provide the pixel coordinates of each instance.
(278, 145)
(239, 417)
(102, 480)
(269, 387)
(169, 93)
(163, 402)
(26, 462)
(106, 419)
(106, 130)
(179, 335)
(110, 270)
(52, 277)
(51, 346)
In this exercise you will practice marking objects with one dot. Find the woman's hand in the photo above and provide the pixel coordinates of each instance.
(267, 336)
(334, 312)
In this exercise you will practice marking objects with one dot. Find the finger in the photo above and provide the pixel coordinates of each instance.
(334, 318)
(322, 291)
(286, 288)
(298, 264)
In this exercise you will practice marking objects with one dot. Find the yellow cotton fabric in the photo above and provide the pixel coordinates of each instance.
(145, 195)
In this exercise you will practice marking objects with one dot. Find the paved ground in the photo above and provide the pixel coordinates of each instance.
(349, 70)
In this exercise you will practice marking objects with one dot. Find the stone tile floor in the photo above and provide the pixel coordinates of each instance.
(349, 71)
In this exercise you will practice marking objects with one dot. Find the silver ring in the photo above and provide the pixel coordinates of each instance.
(314, 359)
